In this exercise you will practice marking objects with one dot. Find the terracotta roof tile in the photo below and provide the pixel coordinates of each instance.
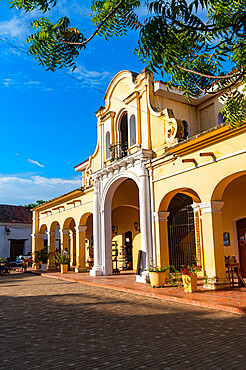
(15, 214)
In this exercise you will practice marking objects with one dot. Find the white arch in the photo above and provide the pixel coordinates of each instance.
(121, 176)
(107, 197)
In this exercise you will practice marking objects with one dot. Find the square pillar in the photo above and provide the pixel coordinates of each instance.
(80, 248)
(213, 245)
(161, 237)
(51, 243)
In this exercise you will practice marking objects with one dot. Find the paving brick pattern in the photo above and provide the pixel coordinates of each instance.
(55, 324)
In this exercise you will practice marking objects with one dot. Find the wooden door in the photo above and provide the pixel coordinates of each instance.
(16, 248)
(242, 250)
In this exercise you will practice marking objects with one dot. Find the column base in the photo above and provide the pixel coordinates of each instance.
(142, 278)
(215, 284)
(80, 269)
(96, 271)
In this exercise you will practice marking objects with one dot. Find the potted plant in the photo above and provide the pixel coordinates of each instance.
(157, 275)
(189, 277)
(42, 256)
(62, 260)
(36, 260)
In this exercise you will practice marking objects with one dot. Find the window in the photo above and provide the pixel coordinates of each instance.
(186, 130)
(107, 145)
(220, 118)
(132, 130)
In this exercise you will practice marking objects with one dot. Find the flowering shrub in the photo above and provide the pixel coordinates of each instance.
(190, 270)
(147, 280)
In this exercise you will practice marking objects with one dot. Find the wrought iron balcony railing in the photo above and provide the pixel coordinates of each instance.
(118, 151)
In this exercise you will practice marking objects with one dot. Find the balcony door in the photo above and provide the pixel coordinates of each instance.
(124, 134)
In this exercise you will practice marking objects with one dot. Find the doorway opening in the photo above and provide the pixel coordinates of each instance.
(16, 248)
(126, 251)
(241, 232)
(181, 231)
(126, 239)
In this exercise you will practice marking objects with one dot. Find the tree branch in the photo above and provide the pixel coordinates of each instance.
(98, 27)
(225, 77)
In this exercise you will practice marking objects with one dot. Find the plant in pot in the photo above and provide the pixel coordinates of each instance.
(36, 259)
(42, 256)
(157, 275)
(189, 277)
(63, 260)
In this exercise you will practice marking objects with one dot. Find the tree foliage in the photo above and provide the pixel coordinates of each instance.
(199, 44)
(33, 205)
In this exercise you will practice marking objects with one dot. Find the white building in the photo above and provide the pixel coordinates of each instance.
(15, 231)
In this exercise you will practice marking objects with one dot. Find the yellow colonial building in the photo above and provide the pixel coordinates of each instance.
(167, 178)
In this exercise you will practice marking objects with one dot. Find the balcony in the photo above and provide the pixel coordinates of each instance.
(118, 151)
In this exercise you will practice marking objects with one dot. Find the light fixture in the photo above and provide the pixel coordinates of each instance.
(114, 230)
(7, 230)
(136, 226)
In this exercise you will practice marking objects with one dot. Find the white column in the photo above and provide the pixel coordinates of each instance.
(144, 205)
(97, 269)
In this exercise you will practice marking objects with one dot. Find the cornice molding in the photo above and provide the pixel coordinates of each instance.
(142, 155)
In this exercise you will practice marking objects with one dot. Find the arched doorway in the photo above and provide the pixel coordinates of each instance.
(126, 238)
(120, 211)
(55, 238)
(181, 231)
(43, 232)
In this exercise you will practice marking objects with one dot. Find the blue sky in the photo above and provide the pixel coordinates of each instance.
(47, 120)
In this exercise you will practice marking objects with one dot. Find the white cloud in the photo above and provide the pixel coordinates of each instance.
(92, 77)
(32, 83)
(22, 189)
(14, 28)
(35, 162)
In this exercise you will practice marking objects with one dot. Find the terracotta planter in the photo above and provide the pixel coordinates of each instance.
(64, 269)
(157, 279)
(190, 283)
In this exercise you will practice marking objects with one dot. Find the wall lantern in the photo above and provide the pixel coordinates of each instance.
(136, 226)
(114, 230)
(7, 230)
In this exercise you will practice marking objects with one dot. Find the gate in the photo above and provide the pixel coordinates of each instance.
(181, 234)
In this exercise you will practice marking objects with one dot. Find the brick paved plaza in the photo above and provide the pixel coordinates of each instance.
(53, 324)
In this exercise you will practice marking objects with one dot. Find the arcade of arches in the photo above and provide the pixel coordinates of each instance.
(185, 229)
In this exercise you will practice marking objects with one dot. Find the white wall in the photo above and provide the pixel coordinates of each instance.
(17, 231)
